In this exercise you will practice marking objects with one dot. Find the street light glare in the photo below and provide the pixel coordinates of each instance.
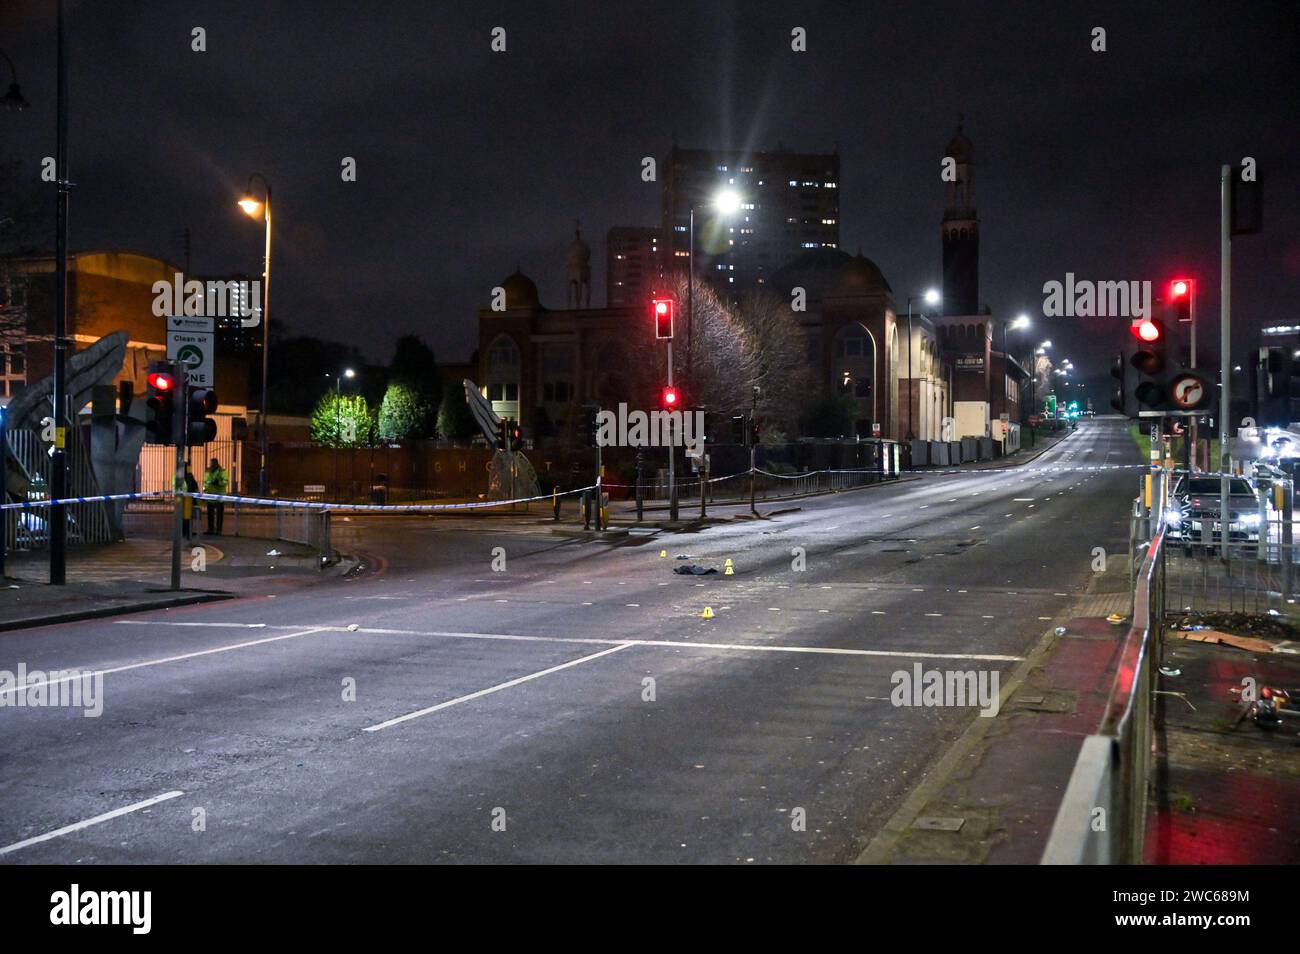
(1045, 344)
(251, 206)
(727, 201)
(349, 373)
(932, 297)
(1022, 321)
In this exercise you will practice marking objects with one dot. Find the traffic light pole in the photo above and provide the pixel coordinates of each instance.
(57, 521)
(672, 476)
(1225, 346)
(179, 430)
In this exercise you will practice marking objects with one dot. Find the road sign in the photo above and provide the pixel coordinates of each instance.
(875, 429)
(1187, 391)
(190, 344)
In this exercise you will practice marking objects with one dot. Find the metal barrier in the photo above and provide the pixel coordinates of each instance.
(1102, 818)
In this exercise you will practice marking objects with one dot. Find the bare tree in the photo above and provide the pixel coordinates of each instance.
(783, 375)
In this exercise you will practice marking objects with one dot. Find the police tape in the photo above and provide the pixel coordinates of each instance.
(100, 498)
(292, 504)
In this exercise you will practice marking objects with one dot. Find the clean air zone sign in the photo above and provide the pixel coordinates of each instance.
(190, 343)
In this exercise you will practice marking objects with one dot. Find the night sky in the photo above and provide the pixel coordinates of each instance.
(1103, 164)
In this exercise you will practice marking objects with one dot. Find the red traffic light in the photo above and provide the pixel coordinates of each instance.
(662, 310)
(1147, 331)
(1180, 288)
(670, 397)
(161, 382)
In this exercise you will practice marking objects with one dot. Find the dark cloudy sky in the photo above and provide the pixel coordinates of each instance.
(1104, 164)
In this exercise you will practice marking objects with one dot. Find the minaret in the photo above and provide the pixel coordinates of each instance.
(577, 270)
(961, 237)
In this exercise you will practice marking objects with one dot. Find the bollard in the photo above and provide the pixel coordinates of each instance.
(1261, 545)
(555, 502)
(640, 493)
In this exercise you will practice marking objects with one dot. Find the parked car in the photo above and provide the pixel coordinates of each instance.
(1194, 518)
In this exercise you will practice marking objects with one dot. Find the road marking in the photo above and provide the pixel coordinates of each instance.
(976, 527)
(933, 614)
(1021, 499)
(491, 689)
(153, 622)
(170, 659)
(77, 826)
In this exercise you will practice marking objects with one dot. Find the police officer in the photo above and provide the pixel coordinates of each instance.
(215, 481)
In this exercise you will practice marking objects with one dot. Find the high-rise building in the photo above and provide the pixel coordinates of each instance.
(634, 264)
(785, 204)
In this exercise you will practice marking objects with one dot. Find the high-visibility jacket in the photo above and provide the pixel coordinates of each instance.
(216, 481)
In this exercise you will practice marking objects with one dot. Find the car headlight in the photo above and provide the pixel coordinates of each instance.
(1174, 518)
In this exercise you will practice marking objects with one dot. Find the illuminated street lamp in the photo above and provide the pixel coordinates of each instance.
(931, 297)
(254, 208)
(726, 202)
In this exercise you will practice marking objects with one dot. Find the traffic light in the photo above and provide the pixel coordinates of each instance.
(160, 404)
(516, 437)
(1182, 291)
(590, 429)
(662, 310)
(1121, 395)
(503, 434)
(671, 398)
(738, 429)
(202, 402)
(1149, 359)
(1146, 382)
(753, 432)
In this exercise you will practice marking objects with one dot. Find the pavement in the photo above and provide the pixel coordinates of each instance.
(134, 575)
(485, 691)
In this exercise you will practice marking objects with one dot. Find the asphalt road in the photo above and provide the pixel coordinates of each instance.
(575, 698)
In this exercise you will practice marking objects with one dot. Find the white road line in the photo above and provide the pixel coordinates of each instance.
(170, 659)
(107, 816)
(491, 689)
(689, 644)
(159, 622)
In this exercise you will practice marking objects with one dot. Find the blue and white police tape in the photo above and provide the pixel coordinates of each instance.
(391, 508)
(101, 498)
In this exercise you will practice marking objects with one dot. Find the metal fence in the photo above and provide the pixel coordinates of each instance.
(31, 467)
(1102, 818)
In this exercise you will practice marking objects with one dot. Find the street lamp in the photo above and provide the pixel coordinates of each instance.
(338, 418)
(1018, 323)
(253, 208)
(725, 202)
(932, 298)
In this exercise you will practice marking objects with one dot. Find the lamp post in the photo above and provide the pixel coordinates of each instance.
(725, 202)
(252, 207)
(338, 419)
(57, 520)
(931, 297)
(1021, 321)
